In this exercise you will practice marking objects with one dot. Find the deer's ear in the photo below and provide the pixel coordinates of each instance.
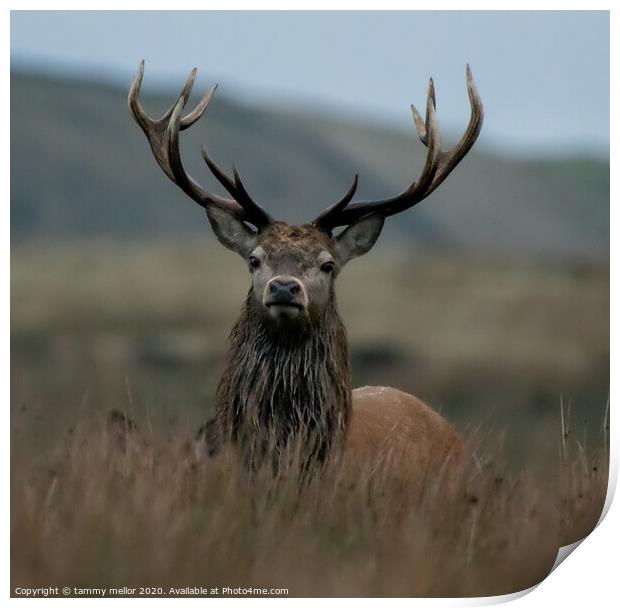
(359, 237)
(231, 231)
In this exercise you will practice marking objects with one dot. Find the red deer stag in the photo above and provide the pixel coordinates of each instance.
(287, 372)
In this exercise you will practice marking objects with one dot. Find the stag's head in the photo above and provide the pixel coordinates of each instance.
(293, 268)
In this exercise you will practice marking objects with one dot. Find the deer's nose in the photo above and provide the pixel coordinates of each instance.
(283, 290)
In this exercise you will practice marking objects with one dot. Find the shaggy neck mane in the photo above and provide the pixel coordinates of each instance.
(279, 386)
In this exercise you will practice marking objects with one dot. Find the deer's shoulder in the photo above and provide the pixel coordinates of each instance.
(386, 420)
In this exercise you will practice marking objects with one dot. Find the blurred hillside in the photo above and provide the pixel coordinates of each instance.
(80, 168)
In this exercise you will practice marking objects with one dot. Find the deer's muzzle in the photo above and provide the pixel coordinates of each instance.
(285, 297)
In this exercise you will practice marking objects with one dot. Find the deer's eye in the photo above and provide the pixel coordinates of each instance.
(328, 266)
(253, 262)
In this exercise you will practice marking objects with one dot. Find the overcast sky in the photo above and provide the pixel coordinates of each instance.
(543, 76)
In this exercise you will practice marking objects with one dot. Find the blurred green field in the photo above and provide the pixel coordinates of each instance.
(491, 343)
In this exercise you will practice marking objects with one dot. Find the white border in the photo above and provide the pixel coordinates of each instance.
(588, 576)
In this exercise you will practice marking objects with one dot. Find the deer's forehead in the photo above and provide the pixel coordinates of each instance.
(302, 242)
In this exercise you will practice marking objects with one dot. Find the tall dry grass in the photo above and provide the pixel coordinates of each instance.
(102, 325)
(96, 510)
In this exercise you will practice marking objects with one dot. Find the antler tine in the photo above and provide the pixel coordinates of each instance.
(260, 217)
(189, 119)
(322, 221)
(254, 212)
(181, 178)
(419, 125)
(183, 97)
(437, 167)
(432, 140)
(452, 158)
(218, 173)
(133, 99)
(163, 137)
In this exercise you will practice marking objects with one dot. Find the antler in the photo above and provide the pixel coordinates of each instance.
(439, 163)
(163, 137)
